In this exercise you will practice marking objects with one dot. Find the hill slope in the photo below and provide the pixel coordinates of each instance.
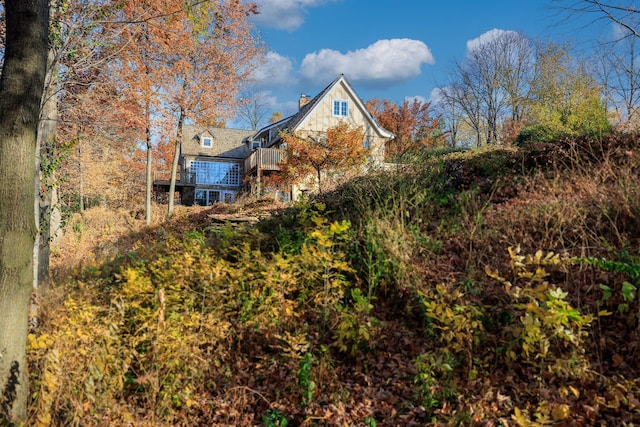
(496, 287)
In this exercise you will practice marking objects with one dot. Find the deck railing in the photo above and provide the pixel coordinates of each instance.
(186, 178)
(264, 159)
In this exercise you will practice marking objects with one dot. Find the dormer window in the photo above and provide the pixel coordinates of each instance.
(207, 142)
(340, 108)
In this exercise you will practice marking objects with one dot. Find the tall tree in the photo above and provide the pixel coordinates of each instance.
(565, 97)
(451, 118)
(212, 50)
(618, 71)
(254, 109)
(46, 161)
(82, 36)
(142, 70)
(615, 58)
(461, 99)
(491, 84)
(21, 88)
(412, 122)
(339, 150)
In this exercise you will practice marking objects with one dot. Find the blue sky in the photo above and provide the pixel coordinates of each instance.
(386, 49)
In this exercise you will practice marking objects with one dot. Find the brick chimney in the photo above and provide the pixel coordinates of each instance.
(304, 100)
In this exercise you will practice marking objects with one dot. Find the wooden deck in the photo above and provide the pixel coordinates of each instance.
(161, 180)
(263, 159)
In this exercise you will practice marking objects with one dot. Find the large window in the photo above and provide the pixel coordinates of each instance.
(340, 108)
(218, 173)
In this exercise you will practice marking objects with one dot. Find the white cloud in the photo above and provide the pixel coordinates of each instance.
(486, 38)
(271, 101)
(284, 14)
(436, 95)
(267, 98)
(618, 32)
(381, 64)
(275, 70)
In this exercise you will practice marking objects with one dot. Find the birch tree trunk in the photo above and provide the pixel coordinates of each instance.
(21, 88)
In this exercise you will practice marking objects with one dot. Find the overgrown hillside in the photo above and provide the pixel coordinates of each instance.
(493, 287)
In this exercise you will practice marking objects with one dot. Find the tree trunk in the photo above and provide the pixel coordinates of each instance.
(149, 182)
(45, 177)
(319, 172)
(21, 88)
(148, 177)
(174, 164)
(80, 177)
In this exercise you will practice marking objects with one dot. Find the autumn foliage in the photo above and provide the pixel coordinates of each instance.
(413, 123)
(338, 151)
(130, 72)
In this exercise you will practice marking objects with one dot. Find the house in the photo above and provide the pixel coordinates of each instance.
(337, 102)
(217, 164)
(210, 167)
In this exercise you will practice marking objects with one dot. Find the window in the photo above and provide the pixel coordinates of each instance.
(366, 144)
(218, 173)
(340, 108)
(206, 142)
(209, 197)
(255, 145)
(283, 196)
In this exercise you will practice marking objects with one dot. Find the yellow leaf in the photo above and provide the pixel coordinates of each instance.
(575, 391)
(44, 419)
(560, 412)
(519, 418)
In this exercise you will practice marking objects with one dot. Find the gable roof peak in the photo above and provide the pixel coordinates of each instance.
(292, 122)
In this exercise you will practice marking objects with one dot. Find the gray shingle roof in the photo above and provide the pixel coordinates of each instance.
(228, 143)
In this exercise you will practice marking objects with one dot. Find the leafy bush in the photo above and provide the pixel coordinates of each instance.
(538, 133)
(551, 331)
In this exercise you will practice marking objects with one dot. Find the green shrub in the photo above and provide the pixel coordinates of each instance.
(537, 133)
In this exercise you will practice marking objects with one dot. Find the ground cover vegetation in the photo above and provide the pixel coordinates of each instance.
(487, 287)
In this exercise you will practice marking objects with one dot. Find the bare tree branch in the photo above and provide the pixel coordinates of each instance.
(623, 15)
